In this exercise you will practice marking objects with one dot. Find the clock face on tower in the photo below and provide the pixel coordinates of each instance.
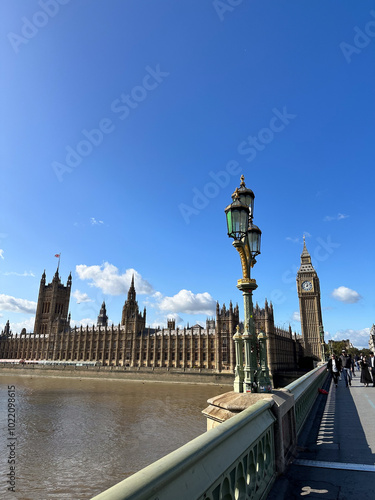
(307, 286)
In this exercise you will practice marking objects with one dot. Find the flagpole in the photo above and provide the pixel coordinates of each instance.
(58, 265)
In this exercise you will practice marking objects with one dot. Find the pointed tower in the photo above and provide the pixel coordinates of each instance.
(6, 332)
(133, 320)
(308, 289)
(103, 318)
(53, 303)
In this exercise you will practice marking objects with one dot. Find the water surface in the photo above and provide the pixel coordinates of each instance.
(78, 437)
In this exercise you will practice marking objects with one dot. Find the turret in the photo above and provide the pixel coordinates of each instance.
(103, 318)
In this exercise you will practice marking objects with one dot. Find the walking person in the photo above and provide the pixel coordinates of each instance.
(334, 366)
(372, 368)
(346, 366)
(365, 372)
(356, 361)
(353, 365)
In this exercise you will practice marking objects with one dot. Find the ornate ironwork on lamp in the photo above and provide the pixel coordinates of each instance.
(247, 237)
(237, 218)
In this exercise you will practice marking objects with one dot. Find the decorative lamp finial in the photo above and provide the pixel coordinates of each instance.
(242, 184)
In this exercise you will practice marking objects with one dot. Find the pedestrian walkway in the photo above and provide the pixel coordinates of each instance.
(336, 453)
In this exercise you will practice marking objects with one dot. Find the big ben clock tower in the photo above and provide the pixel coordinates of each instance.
(309, 305)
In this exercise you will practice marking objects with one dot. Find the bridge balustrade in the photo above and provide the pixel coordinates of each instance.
(235, 460)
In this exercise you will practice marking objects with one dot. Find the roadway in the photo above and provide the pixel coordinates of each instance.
(336, 448)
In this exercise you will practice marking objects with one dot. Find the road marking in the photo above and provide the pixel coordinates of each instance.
(307, 490)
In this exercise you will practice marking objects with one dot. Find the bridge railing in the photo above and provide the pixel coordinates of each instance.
(234, 460)
(305, 390)
(238, 459)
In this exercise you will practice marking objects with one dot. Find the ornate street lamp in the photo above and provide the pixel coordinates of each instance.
(247, 236)
(322, 343)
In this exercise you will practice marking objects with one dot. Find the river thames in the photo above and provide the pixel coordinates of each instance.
(73, 438)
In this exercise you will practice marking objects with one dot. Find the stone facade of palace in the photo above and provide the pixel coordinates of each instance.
(132, 344)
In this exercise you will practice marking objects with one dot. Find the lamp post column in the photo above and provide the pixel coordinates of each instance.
(321, 334)
(264, 381)
(239, 375)
(247, 286)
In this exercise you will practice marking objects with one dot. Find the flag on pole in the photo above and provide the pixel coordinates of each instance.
(57, 255)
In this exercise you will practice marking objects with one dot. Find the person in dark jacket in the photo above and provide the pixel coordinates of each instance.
(365, 372)
(346, 367)
(334, 366)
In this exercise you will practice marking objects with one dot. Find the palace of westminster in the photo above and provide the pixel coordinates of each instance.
(131, 344)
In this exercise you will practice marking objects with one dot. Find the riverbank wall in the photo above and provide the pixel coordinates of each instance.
(188, 376)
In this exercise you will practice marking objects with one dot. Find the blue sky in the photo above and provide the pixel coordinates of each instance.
(126, 126)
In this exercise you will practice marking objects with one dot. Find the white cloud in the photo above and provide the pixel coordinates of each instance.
(359, 338)
(1, 253)
(25, 273)
(344, 294)
(293, 240)
(9, 303)
(19, 325)
(83, 322)
(187, 302)
(296, 316)
(298, 240)
(95, 222)
(339, 216)
(161, 322)
(110, 281)
(81, 297)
